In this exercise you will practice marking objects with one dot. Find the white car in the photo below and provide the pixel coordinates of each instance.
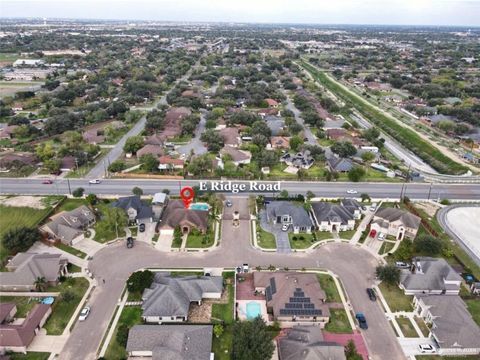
(94, 181)
(381, 236)
(84, 313)
(352, 191)
(426, 349)
(285, 227)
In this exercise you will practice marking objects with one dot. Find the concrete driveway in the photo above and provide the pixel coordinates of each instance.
(281, 237)
(410, 345)
(148, 234)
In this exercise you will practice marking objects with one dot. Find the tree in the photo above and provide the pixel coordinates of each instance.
(117, 166)
(40, 283)
(112, 219)
(365, 197)
(295, 142)
(368, 156)
(356, 173)
(78, 192)
(122, 335)
(218, 330)
(149, 162)
(52, 165)
(252, 340)
(371, 134)
(20, 238)
(139, 281)
(137, 191)
(91, 199)
(389, 274)
(344, 149)
(177, 234)
(351, 351)
(213, 139)
(310, 195)
(133, 144)
(428, 245)
(68, 296)
(283, 194)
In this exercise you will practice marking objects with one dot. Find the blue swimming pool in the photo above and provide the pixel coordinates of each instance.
(200, 206)
(48, 300)
(253, 310)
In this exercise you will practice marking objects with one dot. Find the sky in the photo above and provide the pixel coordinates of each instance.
(391, 12)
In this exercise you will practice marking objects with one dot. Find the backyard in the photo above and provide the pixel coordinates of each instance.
(395, 298)
(24, 304)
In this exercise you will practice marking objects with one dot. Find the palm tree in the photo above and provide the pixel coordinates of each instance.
(40, 283)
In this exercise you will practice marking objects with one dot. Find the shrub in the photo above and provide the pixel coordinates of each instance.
(20, 239)
(78, 192)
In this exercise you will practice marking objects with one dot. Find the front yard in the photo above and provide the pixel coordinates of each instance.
(474, 308)
(265, 239)
(29, 356)
(328, 285)
(395, 298)
(131, 315)
(338, 322)
(196, 239)
(347, 235)
(406, 326)
(304, 240)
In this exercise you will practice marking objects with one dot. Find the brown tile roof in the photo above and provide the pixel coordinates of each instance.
(335, 134)
(280, 142)
(169, 160)
(235, 154)
(271, 102)
(176, 214)
(230, 135)
(25, 158)
(155, 139)
(92, 137)
(150, 149)
(68, 162)
(5, 310)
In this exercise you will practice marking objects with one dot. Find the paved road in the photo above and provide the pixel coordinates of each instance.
(354, 265)
(322, 189)
(195, 145)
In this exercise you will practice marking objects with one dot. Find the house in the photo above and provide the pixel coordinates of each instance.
(16, 337)
(272, 103)
(396, 222)
(173, 119)
(154, 150)
(336, 134)
(288, 213)
(7, 132)
(168, 299)
(452, 327)
(175, 214)
(92, 137)
(300, 160)
(306, 343)
(17, 158)
(430, 276)
(28, 62)
(159, 203)
(68, 163)
(280, 142)
(239, 157)
(136, 209)
(353, 207)
(267, 111)
(231, 136)
(25, 268)
(339, 165)
(155, 139)
(166, 162)
(332, 217)
(275, 123)
(293, 297)
(69, 226)
(175, 342)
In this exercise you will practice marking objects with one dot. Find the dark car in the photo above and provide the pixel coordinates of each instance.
(362, 321)
(129, 242)
(371, 294)
(47, 182)
(141, 227)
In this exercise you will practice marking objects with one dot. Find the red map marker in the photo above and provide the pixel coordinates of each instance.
(187, 194)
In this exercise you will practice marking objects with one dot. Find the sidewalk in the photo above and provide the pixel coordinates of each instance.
(113, 325)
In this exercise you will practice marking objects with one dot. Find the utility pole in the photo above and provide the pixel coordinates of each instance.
(69, 189)
(430, 190)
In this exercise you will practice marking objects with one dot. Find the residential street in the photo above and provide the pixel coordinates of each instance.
(195, 145)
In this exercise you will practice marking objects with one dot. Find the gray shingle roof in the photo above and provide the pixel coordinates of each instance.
(393, 214)
(171, 296)
(143, 211)
(454, 326)
(68, 225)
(339, 164)
(325, 211)
(299, 215)
(172, 342)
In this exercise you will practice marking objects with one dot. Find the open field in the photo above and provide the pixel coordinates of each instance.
(8, 88)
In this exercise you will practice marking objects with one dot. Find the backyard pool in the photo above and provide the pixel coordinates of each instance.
(200, 206)
(253, 310)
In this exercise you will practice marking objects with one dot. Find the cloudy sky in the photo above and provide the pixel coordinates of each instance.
(409, 12)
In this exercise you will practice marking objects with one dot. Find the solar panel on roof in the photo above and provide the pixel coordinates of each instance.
(268, 294)
(299, 294)
(300, 299)
(273, 285)
(308, 306)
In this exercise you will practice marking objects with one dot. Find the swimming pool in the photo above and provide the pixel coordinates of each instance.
(200, 206)
(253, 310)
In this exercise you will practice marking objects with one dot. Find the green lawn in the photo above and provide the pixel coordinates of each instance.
(176, 243)
(71, 204)
(29, 356)
(72, 268)
(133, 230)
(407, 328)
(474, 308)
(71, 250)
(323, 235)
(62, 311)
(396, 299)
(222, 347)
(103, 235)
(24, 304)
(386, 247)
(328, 285)
(224, 311)
(198, 240)
(338, 322)
(12, 217)
(421, 324)
(265, 239)
(301, 240)
(346, 234)
(131, 315)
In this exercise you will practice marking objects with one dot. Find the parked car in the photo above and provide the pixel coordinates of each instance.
(141, 227)
(402, 264)
(362, 321)
(285, 227)
(84, 313)
(47, 182)
(373, 207)
(426, 349)
(95, 181)
(129, 242)
(381, 236)
(228, 203)
(351, 191)
(371, 294)
(373, 233)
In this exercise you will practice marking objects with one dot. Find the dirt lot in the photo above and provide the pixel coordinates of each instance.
(34, 202)
(429, 208)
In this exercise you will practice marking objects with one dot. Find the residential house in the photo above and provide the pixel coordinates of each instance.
(231, 136)
(430, 276)
(68, 163)
(173, 119)
(25, 268)
(28, 62)
(175, 342)
(267, 111)
(175, 214)
(332, 217)
(272, 103)
(339, 165)
(17, 158)
(289, 213)
(137, 210)
(280, 142)
(293, 298)
(452, 327)
(353, 207)
(239, 157)
(300, 160)
(167, 162)
(155, 139)
(154, 150)
(69, 226)
(396, 222)
(275, 123)
(336, 134)
(92, 137)
(307, 343)
(16, 337)
(168, 299)
(159, 202)
(8, 132)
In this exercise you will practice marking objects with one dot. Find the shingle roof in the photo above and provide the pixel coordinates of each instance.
(454, 325)
(172, 342)
(393, 214)
(5, 309)
(143, 211)
(299, 215)
(340, 164)
(176, 214)
(237, 155)
(325, 211)
(70, 224)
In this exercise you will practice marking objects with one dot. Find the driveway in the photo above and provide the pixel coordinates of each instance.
(410, 345)
(148, 234)
(281, 237)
